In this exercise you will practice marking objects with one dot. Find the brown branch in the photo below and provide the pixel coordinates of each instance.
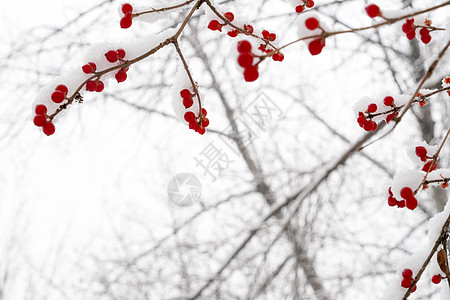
(428, 259)
(164, 8)
(388, 21)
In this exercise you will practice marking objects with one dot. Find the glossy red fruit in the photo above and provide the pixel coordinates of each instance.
(91, 86)
(311, 23)
(372, 108)
(436, 279)
(99, 86)
(58, 96)
(204, 112)
(189, 117)
(406, 193)
(215, 25)
(299, 9)
(111, 56)
(127, 8)
(40, 120)
(126, 21)
(185, 93)
(429, 166)
(315, 47)
(121, 76)
(62, 88)
(87, 69)
(421, 151)
(373, 10)
(205, 122)
(411, 35)
(309, 3)
(407, 273)
(251, 73)
(229, 16)
(40, 109)
(411, 203)
(425, 39)
(245, 60)
(120, 53)
(49, 128)
(388, 101)
(244, 46)
(188, 102)
(407, 27)
(406, 283)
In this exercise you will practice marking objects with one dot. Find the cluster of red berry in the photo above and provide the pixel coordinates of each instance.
(245, 60)
(373, 10)
(190, 117)
(408, 280)
(408, 199)
(365, 118)
(421, 152)
(127, 19)
(216, 25)
(409, 28)
(315, 46)
(306, 3)
(41, 117)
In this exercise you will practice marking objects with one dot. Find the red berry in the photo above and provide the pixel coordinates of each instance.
(39, 120)
(373, 10)
(309, 3)
(411, 35)
(111, 56)
(401, 204)
(248, 28)
(91, 86)
(406, 283)
(229, 16)
(215, 25)
(411, 203)
(311, 23)
(414, 289)
(205, 122)
(406, 193)
(233, 33)
(126, 21)
(188, 102)
(388, 101)
(201, 130)
(407, 27)
(120, 53)
(58, 96)
(421, 151)
(251, 73)
(127, 8)
(436, 279)
(185, 94)
(40, 109)
(392, 201)
(87, 69)
(244, 46)
(368, 125)
(315, 47)
(407, 273)
(299, 9)
(204, 112)
(99, 86)
(49, 128)
(424, 31)
(121, 76)
(189, 117)
(372, 108)
(278, 56)
(62, 88)
(425, 39)
(245, 60)
(428, 167)
(361, 120)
